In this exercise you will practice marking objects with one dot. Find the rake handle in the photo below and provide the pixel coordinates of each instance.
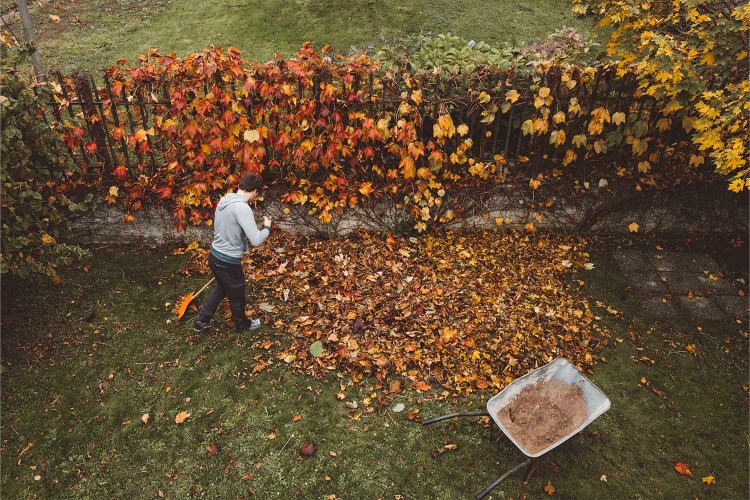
(204, 287)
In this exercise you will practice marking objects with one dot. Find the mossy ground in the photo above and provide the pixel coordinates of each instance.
(84, 360)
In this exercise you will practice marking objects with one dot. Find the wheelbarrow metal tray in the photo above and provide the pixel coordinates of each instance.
(596, 401)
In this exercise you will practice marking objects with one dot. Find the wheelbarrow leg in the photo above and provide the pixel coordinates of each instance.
(502, 478)
(532, 467)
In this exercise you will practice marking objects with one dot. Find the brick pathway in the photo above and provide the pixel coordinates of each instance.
(693, 281)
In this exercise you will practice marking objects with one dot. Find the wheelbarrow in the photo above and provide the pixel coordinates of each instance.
(559, 369)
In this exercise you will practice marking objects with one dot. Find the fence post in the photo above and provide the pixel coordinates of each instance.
(36, 59)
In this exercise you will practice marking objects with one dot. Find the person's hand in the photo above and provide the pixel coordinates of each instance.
(267, 221)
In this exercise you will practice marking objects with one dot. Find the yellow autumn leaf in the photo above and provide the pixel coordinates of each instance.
(512, 96)
(543, 92)
(366, 188)
(181, 417)
(618, 118)
(47, 239)
(462, 129)
(633, 227)
(736, 185)
(696, 160)
(140, 135)
(251, 135)
(416, 96)
(527, 127)
(709, 480)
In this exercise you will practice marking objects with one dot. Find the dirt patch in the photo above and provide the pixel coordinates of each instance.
(543, 413)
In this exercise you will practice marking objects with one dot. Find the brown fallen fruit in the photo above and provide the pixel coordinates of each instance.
(307, 449)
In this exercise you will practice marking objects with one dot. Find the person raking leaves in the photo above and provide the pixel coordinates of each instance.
(234, 226)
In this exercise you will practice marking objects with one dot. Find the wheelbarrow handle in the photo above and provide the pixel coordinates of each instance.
(482, 413)
(502, 478)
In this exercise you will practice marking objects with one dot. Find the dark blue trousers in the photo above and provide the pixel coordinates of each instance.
(230, 283)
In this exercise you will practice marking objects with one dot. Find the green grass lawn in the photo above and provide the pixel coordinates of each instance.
(95, 33)
(83, 361)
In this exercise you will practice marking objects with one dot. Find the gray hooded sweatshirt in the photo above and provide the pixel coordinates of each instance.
(234, 226)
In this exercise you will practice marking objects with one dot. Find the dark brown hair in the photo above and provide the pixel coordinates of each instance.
(250, 182)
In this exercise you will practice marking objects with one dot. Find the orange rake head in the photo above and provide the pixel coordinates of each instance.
(184, 305)
(188, 299)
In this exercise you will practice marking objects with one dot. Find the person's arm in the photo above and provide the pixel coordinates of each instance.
(246, 220)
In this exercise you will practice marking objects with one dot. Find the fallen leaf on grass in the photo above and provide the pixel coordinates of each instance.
(247, 476)
(296, 417)
(399, 408)
(212, 449)
(603, 478)
(145, 417)
(709, 480)
(549, 489)
(683, 468)
(316, 348)
(265, 306)
(181, 417)
(308, 449)
(633, 227)
(423, 386)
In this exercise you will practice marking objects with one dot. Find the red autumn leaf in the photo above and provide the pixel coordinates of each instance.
(308, 449)
(164, 191)
(683, 468)
(120, 171)
(117, 86)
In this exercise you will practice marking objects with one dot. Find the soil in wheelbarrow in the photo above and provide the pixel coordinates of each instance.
(543, 413)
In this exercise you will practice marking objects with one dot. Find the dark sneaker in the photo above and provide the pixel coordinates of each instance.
(199, 325)
(249, 325)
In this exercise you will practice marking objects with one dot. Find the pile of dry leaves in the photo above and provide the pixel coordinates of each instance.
(463, 311)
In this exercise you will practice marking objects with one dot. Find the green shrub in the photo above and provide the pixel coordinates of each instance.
(36, 179)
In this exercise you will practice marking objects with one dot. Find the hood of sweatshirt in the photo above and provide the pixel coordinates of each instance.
(228, 199)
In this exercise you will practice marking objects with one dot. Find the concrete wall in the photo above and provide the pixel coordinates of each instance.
(675, 214)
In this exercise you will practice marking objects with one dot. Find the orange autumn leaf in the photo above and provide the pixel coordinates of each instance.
(296, 417)
(181, 417)
(366, 188)
(549, 489)
(140, 135)
(407, 162)
(683, 468)
(423, 386)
